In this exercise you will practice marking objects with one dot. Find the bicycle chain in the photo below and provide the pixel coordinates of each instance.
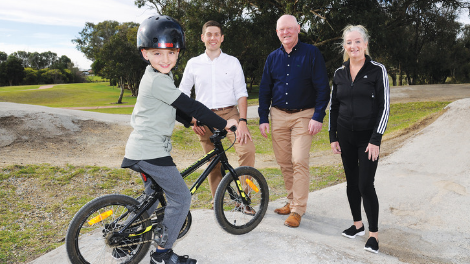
(136, 243)
(133, 244)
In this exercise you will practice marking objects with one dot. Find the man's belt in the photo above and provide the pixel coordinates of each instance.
(222, 108)
(290, 111)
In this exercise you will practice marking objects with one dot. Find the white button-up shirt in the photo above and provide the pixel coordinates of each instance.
(218, 83)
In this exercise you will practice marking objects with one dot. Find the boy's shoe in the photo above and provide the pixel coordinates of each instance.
(170, 257)
(352, 232)
(372, 245)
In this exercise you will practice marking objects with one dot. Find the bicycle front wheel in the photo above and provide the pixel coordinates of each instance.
(90, 236)
(234, 216)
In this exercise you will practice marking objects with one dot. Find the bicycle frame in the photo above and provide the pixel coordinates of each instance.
(214, 156)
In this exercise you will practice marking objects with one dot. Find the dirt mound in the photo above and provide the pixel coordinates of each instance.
(42, 138)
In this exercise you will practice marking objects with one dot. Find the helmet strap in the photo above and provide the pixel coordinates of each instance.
(178, 60)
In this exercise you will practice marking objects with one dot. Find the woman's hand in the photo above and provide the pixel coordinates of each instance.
(374, 151)
(335, 147)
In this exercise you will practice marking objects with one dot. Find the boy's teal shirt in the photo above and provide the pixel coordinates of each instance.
(153, 118)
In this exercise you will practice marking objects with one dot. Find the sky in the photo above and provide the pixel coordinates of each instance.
(50, 25)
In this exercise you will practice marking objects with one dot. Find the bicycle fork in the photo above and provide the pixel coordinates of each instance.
(245, 198)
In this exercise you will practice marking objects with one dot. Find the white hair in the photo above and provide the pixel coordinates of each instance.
(362, 30)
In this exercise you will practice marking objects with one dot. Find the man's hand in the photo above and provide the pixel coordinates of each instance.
(230, 123)
(335, 147)
(200, 130)
(243, 134)
(314, 127)
(264, 129)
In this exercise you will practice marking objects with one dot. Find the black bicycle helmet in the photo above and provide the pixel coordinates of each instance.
(160, 32)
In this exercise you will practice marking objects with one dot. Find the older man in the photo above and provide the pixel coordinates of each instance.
(294, 90)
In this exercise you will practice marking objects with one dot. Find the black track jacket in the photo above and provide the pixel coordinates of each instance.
(363, 104)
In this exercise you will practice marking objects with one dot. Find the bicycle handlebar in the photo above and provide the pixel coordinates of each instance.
(232, 128)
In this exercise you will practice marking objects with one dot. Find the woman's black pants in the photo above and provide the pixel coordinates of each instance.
(360, 174)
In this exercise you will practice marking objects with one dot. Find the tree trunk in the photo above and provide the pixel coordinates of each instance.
(408, 78)
(121, 84)
(400, 76)
(394, 79)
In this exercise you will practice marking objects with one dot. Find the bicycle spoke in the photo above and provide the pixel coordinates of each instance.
(91, 236)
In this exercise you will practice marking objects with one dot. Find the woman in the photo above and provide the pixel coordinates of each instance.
(358, 117)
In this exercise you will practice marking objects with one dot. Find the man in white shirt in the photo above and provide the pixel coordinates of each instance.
(219, 85)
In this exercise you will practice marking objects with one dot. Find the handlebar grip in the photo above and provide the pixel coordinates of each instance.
(199, 123)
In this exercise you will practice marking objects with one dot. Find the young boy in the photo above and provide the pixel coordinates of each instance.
(159, 104)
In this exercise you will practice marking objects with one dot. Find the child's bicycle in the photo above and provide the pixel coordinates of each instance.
(117, 228)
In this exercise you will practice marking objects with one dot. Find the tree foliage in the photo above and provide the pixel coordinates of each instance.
(415, 39)
(13, 70)
(25, 68)
(112, 47)
(93, 37)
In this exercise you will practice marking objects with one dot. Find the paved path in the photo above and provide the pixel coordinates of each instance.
(423, 190)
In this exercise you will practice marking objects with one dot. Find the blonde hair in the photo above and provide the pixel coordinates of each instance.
(365, 36)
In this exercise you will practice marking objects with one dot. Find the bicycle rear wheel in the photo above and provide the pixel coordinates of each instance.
(89, 236)
(234, 216)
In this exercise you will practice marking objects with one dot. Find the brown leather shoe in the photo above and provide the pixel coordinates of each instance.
(293, 220)
(285, 210)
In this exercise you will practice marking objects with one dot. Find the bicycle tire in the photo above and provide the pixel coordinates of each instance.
(87, 239)
(230, 212)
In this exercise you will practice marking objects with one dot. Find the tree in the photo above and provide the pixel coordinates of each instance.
(3, 76)
(3, 56)
(13, 70)
(31, 76)
(414, 28)
(23, 56)
(250, 25)
(460, 57)
(118, 59)
(402, 31)
(62, 63)
(93, 37)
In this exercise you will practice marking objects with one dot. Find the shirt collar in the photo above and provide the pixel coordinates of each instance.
(206, 57)
(296, 47)
(368, 59)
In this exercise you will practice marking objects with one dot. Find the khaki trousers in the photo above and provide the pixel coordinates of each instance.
(245, 152)
(291, 145)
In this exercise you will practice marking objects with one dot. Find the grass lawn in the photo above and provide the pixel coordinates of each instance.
(66, 95)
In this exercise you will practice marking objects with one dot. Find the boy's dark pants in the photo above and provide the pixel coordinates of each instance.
(177, 195)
